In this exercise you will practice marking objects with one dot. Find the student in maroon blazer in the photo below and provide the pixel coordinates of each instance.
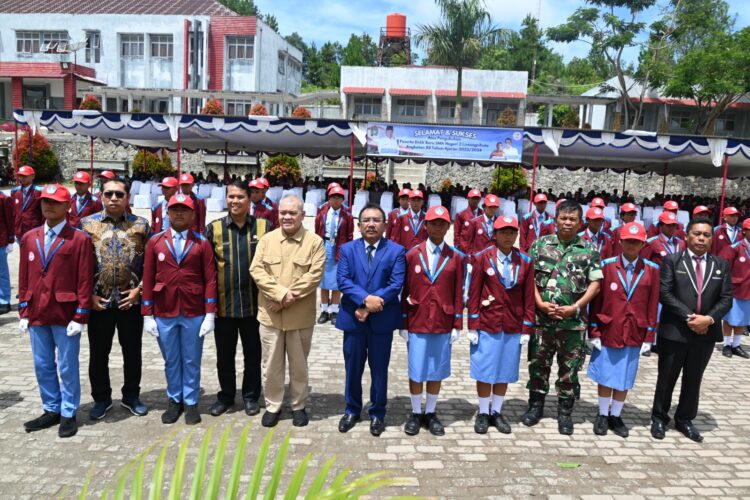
(260, 206)
(409, 231)
(465, 216)
(738, 256)
(672, 207)
(478, 235)
(27, 202)
(623, 326)
(501, 319)
(432, 304)
(335, 225)
(728, 233)
(596, 234)
(55, 283)
(83, 203)
(7, 238)
(628, 213)
(393, 215)
(186, 187)
(531, 223)
(159, 217)
(665, 242)
(179, 305)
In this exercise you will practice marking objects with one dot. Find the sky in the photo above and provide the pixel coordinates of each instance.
(335, 20)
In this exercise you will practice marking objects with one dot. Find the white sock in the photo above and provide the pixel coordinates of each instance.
(737, 340)
(334, 308)
(616, 408)
(324, 307)
(416, 403)
(497, 403)
(429, 407)
(727, 340)
(604, 406)
(484, 405)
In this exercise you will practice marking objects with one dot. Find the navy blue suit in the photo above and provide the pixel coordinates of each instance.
(369, 341)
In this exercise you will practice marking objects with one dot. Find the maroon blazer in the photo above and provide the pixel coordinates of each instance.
(91, 205)
(393, 220)
(27, 210)
(527, 229)
(463, 221)
(170, 288)
(199, 221)
(157, 218)
(7, 221)
(512, 309)
(268, 210)
(657, 248)
(60, 291)
(654, 231)
(433, 304)
(721, 239)
(620, 322)
(738, 256)
(407, 232)
(477, 236)
(345, 222)
(603, 245)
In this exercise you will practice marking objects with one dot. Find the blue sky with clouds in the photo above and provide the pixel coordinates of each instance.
(335, 20)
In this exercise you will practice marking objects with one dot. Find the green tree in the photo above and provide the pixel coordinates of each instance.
(458, 39)
(242, 7)
(271, 21)
(495, 57)
(360, 51)
(529, 52)
(330, 62)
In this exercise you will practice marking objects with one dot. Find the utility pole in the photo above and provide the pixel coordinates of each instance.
(533, 55)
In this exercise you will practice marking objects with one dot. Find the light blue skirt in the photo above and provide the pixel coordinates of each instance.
(615, 368)
(429, 356)
(329, 271)
(495, 358)
(739, 314)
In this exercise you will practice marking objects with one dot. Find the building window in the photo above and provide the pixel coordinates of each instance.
(447, 109)
(725, 124)
(367, 106)
(240, 47)
(27, 42)
(93, 46)
(160, 62)
(410, 107)
(132, 63)
(237, 108)
(282, 63)
(131, 46)
(679, 119)
(161, 46)
(239, 67)
(34, 42)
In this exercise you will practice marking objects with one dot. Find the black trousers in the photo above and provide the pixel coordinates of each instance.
(226, 334)
(691, 359)
(102, 324)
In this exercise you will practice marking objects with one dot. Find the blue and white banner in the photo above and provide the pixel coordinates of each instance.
(441, 142)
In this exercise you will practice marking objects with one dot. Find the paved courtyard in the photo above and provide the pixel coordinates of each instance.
(461, 464)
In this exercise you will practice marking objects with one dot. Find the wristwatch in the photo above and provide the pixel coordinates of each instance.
(578, 309)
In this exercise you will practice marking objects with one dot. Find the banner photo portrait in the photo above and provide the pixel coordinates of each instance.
(442, 142)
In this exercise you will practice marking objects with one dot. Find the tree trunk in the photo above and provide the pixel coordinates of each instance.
(457, 111)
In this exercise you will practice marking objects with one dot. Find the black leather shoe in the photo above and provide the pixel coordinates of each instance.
(44, 421)
(601, 425)
(658, 430)
(618, 427)
(300, 418)
(535, 410)
(68, 427)
(497, 420)
(270, 419)
(332, 317)
(348, 422)
(219, 408)
(647, 353)
(655, 348)
(739, 351)
(4, 308)
(174, 410)
(251, 407)
(192, 415)
(100, 409)
(323, 318)
(377, 426)
(564, 416)
(727, 351)
(413, 424)
(433, 424)
(135, 407)
(689, 430)
(482, 423)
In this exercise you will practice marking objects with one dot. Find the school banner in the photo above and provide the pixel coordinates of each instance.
(438, 142)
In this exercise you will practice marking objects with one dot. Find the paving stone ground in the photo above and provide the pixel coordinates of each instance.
(461, 464)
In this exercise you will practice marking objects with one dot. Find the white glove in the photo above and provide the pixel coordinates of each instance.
(455, 335)
(74, 329)
(596, 344)
(149, 326)
(9, 248)
(23, 326)
(524, 340)
(208, 324)
(404, 335)
(473, 337)
(645, 347)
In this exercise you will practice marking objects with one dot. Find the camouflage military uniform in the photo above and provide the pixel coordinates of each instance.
(562, 273)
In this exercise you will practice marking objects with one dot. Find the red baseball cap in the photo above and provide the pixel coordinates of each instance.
(26, 170)
(256, 184)
(627, 208)
(336, 190)
(416, 193)
(667, 218)
(730, 211)
(701, 209)
(557, 203)
(746, 224)
(474, 193)
(186, 179)
(404, 192)
(633, 231)
(330, 184)
(671, 205)
(264, 182)
(82, 176)
(181, 199)
(169, 182)
(597, 202)
(505, 221)
(56, 192)
(107, 174)
(491, 201)
(595, 213)
(540, 198)
(438, 212)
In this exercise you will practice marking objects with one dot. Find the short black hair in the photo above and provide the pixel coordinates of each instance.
(698, 220)
(569, 206)
(373, 206)
(240, 185)
(119, 180)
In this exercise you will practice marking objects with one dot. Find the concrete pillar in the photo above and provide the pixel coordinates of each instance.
(548, 121)
(104, 101)
(130, 103)
(480, 107)
(69, 92)
(590, 117)
(16, 92)
(521, 113)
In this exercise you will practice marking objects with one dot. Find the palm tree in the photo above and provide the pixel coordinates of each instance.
(458, 39)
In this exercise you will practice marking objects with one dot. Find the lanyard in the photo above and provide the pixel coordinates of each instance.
(535, 223)
(629, 290)
(488, 227)
(417, 227)
(174, 253)
(335, 230)
(26, 198)
(598, 241)
(671, 248)
(47, 259)
(80, 209)
(744, 247)
(513, 274)
(734, 234)
(427, 269)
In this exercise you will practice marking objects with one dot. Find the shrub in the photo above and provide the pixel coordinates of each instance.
(282, 168)
(506, 180)
(507, 118)
(91, 102)
(301, 112)
(213, 107)
(259, 110)
(368, 181)
(157, 165)
(445, 185)
(43, 160)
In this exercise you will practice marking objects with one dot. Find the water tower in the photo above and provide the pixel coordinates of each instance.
(395, 39)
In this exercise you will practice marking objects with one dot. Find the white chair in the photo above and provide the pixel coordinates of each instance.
(218, 193)
(311, 210)
(215, 204)
(647, 214)
(524, 207)
(610, 212)
(314, 197)
(508, 207)
(386, 202)
(142, 201)
(683, 217)
(204, 190)
(357, 208)
(135, 186)
(145, 188)
(361, 198)
(657, 213)
(275, 193)
(433, 201)
(551, 210)
(155, 188)
(458, 205)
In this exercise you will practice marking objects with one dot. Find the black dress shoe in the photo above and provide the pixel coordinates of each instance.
(601, 425)
(270, 419)
(300, 418)
(332, 317)
(323, 318)
(348, 422)
(377, 426)
(135, 407)
(45, 421)
(497, 420)
(4, 308)
(192, 415)
(174, 410)
(655, 348)
(433, 424)
(68, 427)
(251, 407)
(689, 430)
(413, 424)
(618, 427)
(739, 351)
(482, 423)
(647, 353)
(727, 351)
(219, 408)
(658, 430)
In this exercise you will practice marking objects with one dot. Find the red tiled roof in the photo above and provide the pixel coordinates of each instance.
(158, 7)
(410, 91)
(504, 95)
(43, 70)
(452, 93)
(363, 90)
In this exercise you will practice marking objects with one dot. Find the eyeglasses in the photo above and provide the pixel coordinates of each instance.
(373, 220)
(114, 194)
(292, 213)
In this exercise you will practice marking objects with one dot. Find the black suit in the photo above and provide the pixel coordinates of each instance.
(681, 349)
